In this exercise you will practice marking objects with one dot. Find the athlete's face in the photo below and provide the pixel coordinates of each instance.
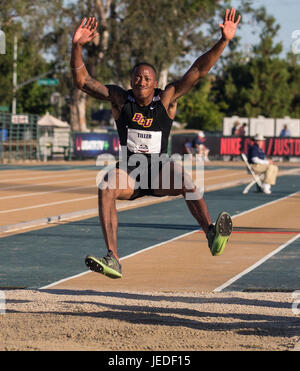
(143, 82)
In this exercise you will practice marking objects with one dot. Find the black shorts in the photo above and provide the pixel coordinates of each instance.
(146, 190)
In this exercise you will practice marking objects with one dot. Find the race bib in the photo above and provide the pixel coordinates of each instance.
(143, 141)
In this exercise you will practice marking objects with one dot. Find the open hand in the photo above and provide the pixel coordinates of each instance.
(86, 32)
(229, 26)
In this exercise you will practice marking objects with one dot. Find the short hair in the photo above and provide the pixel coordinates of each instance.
(143, 64)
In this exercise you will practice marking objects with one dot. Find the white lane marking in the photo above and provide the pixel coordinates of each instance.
(62, 190)
(30, 185)
(255, 265)
(223, 175)
(125, 257)
(54, 174)
(173, 239)
(48, 204)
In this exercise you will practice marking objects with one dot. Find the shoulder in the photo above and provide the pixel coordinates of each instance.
(117, 96)
(116, 92)
(168, 99)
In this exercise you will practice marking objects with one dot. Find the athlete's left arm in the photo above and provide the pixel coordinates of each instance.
(204, 63)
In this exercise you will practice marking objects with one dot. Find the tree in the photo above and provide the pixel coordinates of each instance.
(157, 31)
(294, 83)
(198, 109)
(259, 86)
(67, 17)
(23, 20)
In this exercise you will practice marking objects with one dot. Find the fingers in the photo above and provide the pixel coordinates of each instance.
(230, 16)
(226, 15)
(89, 23)
(238, 20)
(83, 22)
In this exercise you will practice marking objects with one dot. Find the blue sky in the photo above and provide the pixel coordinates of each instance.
(287, 15)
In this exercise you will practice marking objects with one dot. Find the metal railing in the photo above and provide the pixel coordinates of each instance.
(18, 137)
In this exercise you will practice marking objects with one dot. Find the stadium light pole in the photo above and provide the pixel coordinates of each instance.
(15, 57)
(15, 78)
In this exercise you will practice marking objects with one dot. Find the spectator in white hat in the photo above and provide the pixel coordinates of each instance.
(260, 164)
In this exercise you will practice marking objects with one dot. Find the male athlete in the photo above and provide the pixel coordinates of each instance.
(144, 116)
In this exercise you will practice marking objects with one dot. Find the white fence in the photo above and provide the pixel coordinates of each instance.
(268, 127)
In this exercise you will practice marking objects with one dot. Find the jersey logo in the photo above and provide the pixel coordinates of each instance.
(141, 120)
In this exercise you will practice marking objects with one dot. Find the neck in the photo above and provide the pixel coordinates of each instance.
(144, 101)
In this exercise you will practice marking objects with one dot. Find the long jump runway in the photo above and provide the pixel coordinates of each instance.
(164, 255)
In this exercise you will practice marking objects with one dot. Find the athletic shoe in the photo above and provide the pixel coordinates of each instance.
(219, 233)
(266, 188)
(109, 266)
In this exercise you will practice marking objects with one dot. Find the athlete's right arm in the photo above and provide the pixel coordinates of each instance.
(85, 33)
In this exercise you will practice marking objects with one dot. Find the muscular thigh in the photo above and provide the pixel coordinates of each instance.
(172, 180)
(119, 182)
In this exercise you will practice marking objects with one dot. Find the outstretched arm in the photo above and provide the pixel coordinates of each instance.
(85, 33)
(204, 63)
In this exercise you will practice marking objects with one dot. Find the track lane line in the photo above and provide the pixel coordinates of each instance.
(255, 265)
(41, 184)
(48, 204)
(53, 174)
(183, 235)
(62, 190)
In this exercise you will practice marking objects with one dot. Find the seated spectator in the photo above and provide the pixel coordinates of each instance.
(188, 147)
(199, 146)
(261, 165)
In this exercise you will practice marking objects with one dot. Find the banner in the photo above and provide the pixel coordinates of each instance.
(94, 144)
(273, 146)
(235, 146)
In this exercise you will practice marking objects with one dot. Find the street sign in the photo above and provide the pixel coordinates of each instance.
(19, 119)
(4, 108)
(47, 82)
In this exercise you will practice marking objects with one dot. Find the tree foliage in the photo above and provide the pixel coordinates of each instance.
(157, 31)
(198, 110)
(261, 85)
(162, 32)
(24, 20)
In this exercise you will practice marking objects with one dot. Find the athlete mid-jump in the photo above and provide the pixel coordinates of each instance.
(144, 116)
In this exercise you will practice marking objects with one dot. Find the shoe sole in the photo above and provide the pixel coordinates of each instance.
(96, 265)
(223, 231)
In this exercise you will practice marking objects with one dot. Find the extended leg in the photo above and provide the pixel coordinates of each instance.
(109, 191)
(217, 234)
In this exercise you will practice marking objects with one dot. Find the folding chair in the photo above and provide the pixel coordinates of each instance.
(256, 178)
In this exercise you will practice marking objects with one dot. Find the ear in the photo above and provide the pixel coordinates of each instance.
(156, 84)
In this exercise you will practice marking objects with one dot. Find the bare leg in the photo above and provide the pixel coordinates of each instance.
(197, 207)
(108, 193)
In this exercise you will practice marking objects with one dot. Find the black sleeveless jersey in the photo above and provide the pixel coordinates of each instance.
(144, 129)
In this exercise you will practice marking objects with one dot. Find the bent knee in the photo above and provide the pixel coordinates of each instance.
(106, 193)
